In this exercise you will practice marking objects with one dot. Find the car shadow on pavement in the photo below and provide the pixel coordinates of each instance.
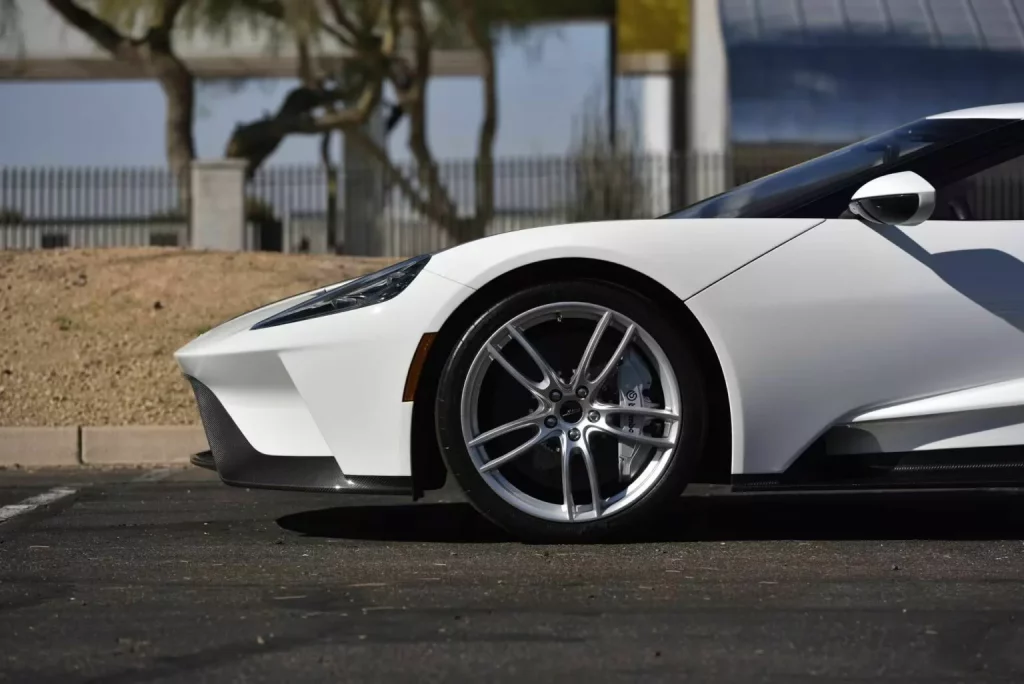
(930, 515)
(456, 523)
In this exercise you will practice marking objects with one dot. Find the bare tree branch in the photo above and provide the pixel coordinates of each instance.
(257, 140)
(275, 9)
(356, 115)
(373, 29)
(154, 55)
(271, 8)
(171, 10)
(305, 63)
(10, 25)
(342, 20)
(414, 100)
(378, 153)
(102, 33)
(342, 38)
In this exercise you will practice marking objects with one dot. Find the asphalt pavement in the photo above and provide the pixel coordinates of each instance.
(169, 576)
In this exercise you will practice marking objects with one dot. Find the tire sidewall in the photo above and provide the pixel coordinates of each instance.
(645, 314)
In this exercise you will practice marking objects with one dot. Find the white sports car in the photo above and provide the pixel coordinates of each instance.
(843, 323)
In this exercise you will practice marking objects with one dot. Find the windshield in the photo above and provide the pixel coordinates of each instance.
(770, 196)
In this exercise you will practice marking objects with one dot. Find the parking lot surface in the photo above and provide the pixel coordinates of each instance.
(168, 576)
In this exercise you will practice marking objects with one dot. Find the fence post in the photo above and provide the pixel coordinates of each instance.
(218, 204)
(708, 109)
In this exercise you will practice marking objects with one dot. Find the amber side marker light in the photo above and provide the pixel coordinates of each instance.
(412, 380)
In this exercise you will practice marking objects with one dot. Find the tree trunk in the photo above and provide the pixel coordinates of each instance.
(153, 56)
(179, 91)
(332, 192)
(484, 211)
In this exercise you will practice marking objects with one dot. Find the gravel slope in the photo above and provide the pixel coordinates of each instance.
(87, 336)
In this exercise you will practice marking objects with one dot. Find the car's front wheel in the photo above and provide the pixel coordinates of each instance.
(571, 411)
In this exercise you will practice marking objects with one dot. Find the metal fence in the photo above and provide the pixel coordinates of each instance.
(90, 207)
(365, 211)
(358, 211)
(371, 213)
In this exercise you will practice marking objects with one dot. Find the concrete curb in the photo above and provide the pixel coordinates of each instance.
(39, 446)
(101, 445)
(132, 444)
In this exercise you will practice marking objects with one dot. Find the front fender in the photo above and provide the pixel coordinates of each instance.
(685, 255)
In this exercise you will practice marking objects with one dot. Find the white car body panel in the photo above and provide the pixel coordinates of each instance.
(853, 353)
(903, 183)
(1010, 111)
(685, 256)
(856, 325)
(988, 416)
(981, 428)
(326, 386)
(874, 338)
(990, 397)
(332, 386)
(818, 326)
(847, 319)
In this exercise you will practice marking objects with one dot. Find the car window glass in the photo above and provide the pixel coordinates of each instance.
(780, 192)
(994, 194)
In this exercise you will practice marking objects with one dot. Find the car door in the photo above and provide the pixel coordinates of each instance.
(854, 325)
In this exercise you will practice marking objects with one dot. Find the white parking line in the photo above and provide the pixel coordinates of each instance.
(34, 502)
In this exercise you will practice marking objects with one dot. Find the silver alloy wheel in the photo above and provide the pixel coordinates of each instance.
(552, 395)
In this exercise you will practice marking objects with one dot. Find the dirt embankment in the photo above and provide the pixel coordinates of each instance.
(87, 336)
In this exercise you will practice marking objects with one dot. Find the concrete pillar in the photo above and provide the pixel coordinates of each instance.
(708, 137)
(656, 97)
(218, 205)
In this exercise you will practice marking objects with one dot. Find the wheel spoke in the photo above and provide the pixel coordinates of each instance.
(643, 411)
(514, 453)
(516, 375)
(551, 380)
(595, 490)
(627, 337)
(635, 437)
(580, 376)
(523, 440)
(570, 506)
(531, 420)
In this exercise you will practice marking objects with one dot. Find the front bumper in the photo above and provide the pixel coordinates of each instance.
(241, 465)
(330, 387)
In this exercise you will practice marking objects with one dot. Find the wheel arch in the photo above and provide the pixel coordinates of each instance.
(427, 465)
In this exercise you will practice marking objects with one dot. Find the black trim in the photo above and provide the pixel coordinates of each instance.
(816, 469)
(392, 281)
(204, 459)
(239, 464)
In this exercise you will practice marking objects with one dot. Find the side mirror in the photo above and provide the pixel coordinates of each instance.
(899, 199)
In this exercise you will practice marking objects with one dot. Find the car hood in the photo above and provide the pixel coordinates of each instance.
(685, 255)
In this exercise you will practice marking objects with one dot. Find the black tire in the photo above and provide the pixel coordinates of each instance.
(673, 480)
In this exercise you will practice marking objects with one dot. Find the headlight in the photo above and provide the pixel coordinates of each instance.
(366, 291)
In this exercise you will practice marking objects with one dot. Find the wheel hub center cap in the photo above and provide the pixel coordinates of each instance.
(571, 412)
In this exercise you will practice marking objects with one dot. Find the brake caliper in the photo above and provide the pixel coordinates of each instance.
(634, 381)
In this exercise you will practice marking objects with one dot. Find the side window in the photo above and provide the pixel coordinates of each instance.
(994, 194)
